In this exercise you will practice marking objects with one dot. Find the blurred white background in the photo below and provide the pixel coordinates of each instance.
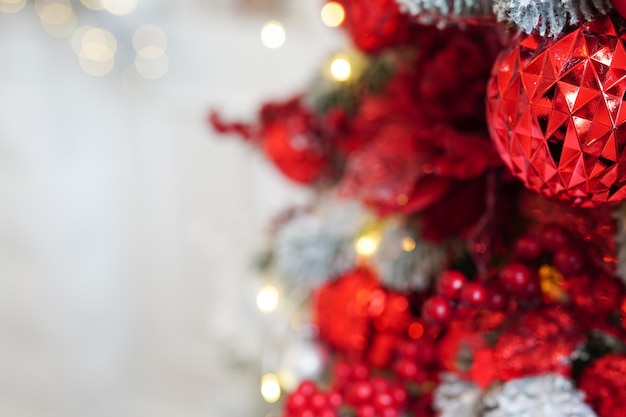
(126, 225)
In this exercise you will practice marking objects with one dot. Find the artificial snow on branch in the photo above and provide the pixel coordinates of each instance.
(549, 17)
(443, 10)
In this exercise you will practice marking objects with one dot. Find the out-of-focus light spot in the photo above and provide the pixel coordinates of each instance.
(408, 244)
(341, 69)
(77, 38)
(96, 68)
(273, 34)
(416, 330)
(333, 14)
(97, 45)
(367, 245)
(149, 42)
(270, 388)
(54, 13)
(12, 6)
(93, 4)
(267, 298)
(152, 68)
(119, 7)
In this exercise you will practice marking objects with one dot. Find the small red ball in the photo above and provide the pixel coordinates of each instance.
(473, 294)
(496, 299)
(569, 260)
(361, 392)
(296, 402)
(319, 401)
(307, 388)
(450, 284)
(528, 248)
(366, 410)
(519, 279)
(553, 237)
(437, 309)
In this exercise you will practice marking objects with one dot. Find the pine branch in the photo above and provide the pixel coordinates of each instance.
(549, 17)
(446, 9)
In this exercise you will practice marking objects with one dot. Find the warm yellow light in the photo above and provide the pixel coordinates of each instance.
(119, 7)
(408, 244)
(270, 388)
(273, 34)
(93, 4)
(340, 69)
(12, 6)
(367, 245)
(267, 298)
(333, 14)
(149, 41)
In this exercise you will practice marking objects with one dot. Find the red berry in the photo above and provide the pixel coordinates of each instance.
(528, 248)
(496, 299)
(553, 237)
(437, 309)
(519, 279)
(329, 413)
(335, 399)
(383, 400)
(408, 350)
(366, 410)
(307, 413)
(450, 283)
(361, 392)
(473, 294)
(410, 371)
(296, 402)
(307, 388)
(399, 394)
(427, 353)
(318, 401)
(360, 371)
(342, 370)
(568, 260)
(390, 412)
(380, 384)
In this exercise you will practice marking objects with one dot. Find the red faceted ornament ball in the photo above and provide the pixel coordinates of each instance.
(556, 114)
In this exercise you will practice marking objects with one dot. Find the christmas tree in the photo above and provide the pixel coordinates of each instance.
(464, 252)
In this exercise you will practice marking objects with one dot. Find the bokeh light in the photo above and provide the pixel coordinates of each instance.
(149, 41)
(12, 6)
(333, 14)
(93, 4)
(119, 7)
(267, 298)
(270, 388)
(273, 34)
(340, 69)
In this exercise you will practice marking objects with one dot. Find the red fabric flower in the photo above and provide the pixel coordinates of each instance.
(541, 341)
(604, 385)
(375, 24)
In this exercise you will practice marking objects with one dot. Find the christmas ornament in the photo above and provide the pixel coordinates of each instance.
(538, 396)
(308, 399)
(620, 7)
(604, 385)
(555, 112)
(455, 397)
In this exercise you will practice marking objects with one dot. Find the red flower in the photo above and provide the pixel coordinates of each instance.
(604, 385)
(375, 24)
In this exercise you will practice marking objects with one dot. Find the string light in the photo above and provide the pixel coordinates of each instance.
(366, 245)
(150, 43)
(273, 34)
(12, 6)
(96, 50)
(340, 68)
(267, 298)
(270, 388)
(333, 14)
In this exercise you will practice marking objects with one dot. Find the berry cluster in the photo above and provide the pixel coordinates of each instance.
(415, 361)
(309, 401)
(457, 295)
(369, 395)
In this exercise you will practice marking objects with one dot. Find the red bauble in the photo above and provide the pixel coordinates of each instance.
(604, 385)
(450, 284)
(555, 112)
(620, 6)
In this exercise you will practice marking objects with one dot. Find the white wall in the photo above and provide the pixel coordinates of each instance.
(126, 226)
